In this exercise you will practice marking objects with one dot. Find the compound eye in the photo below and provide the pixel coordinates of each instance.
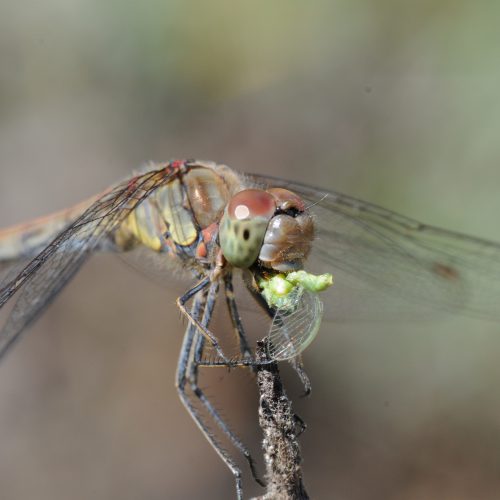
(243, 226)
(286, 200)
(251, 203)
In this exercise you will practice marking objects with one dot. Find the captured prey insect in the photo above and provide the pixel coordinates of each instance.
(213, 221)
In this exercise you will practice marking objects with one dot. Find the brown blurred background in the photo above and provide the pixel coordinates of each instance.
(396, 103)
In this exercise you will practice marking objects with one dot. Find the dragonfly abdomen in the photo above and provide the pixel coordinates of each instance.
(26, 240)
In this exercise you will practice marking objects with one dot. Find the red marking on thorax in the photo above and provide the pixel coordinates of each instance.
(132, 184)
(176, 164)
(201, 251)
(209, 232)
(208, 235)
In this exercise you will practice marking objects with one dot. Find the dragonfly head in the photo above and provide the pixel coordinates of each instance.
(269, 226)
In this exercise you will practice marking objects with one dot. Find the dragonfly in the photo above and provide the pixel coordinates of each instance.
(216, 223)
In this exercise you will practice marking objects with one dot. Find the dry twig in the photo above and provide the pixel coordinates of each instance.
(281, 428)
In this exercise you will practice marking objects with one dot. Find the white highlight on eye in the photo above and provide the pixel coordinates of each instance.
(241, 212)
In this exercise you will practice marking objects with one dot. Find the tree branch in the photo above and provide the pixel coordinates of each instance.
(281, 428)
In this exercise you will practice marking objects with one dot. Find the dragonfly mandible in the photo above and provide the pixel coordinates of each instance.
(214, 221)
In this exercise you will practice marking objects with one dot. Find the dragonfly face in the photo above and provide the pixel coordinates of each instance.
(271, 226)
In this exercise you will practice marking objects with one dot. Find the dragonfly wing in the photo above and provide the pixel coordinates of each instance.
(385, 264)
(10, 269)
(163, 272)
(37, 284)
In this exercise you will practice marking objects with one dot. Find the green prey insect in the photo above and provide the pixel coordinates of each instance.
(298, 310)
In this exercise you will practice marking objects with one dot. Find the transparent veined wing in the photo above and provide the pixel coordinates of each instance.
(295, 326)
(388, 266)
(38, 283)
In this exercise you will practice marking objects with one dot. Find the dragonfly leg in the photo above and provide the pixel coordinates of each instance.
(181, 379)
(235, 316)
(181, 304)
(197, 352)
(298, 366)
(301, 425)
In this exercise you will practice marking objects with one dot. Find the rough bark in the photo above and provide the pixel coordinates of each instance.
(281, 428)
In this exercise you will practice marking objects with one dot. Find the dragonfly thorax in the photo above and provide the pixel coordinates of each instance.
(181, 216)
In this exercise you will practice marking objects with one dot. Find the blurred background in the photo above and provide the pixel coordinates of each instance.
(395, 103)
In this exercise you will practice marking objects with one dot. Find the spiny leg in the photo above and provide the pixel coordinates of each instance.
(180, 382)
(193, 363)
(235, 316)
(181, 304)
(187, 342)
(298, 366)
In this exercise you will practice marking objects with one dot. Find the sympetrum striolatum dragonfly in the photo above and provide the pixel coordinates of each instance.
(213, 221)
